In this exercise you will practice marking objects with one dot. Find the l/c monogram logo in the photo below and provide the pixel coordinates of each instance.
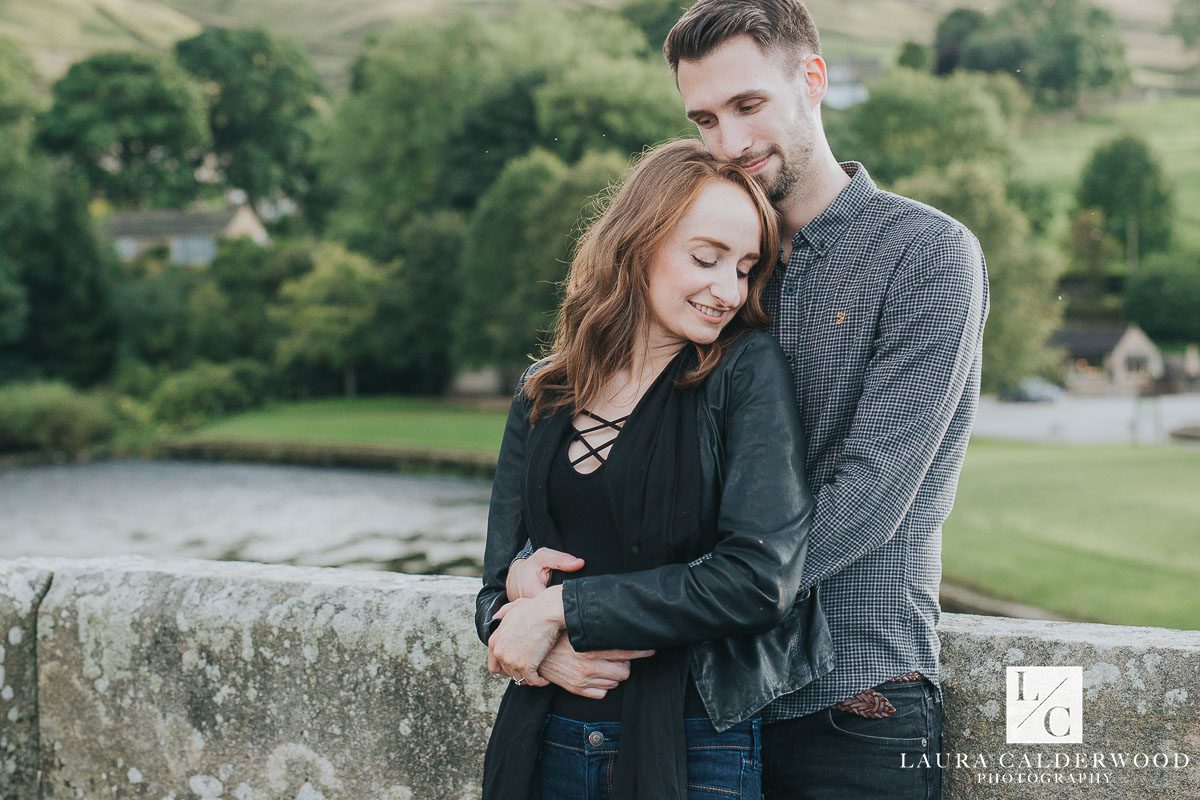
(1045, 704)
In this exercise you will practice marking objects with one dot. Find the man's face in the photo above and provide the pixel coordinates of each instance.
(752, 111)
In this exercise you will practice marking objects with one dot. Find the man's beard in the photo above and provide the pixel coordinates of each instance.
(792, 163)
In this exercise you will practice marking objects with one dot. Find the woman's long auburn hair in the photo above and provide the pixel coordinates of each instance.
(605, 303)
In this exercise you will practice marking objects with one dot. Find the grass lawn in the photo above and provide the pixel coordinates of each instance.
(1053, 152)
(399, 421)
(1106, 533)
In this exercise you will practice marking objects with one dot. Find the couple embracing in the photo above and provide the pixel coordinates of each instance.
(714, 541)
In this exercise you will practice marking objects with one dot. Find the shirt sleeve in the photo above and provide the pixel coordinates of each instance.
(927, 355)
(505, 527)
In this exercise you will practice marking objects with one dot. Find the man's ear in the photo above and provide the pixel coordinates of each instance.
(813, 72)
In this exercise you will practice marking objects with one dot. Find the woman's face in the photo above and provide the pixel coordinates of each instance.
(698, 277)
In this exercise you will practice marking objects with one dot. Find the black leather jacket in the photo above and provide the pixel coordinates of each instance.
(752, 636)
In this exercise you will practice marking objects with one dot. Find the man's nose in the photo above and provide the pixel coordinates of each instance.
(736, 140)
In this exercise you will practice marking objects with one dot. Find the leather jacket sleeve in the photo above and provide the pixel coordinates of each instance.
(753, 575)
(505, 528)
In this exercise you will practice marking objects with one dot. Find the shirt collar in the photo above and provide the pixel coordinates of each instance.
(827, 227)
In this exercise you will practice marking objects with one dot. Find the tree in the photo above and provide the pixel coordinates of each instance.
(1124, 181)
(1163, 295)
(1058, 49)
(914, 56)
(953, 31)
(1185, 22)
(518, 245)
(912, 121)
(654, 18)
(133, 123)
(1022, 273)
(408, 97)
(600, 103)
(417, 303)
(261, 109)
(326, 315)
(66, 274)
(14, 302)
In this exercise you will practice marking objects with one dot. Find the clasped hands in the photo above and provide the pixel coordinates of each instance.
(528, 646)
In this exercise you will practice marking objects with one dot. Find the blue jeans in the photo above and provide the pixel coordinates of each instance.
(835, 755)
(577, 760)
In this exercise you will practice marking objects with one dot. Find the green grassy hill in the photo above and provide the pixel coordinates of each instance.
(57, 32)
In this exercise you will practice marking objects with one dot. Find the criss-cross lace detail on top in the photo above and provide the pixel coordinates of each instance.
(593, 450)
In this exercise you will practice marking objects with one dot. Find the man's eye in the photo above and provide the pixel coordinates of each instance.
(749, 108)
(702, 263)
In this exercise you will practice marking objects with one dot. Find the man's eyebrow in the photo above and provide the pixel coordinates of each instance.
(740, 97)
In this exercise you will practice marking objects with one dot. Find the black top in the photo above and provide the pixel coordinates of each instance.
(580, 509)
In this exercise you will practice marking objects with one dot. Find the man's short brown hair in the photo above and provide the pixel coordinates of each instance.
(780, 27)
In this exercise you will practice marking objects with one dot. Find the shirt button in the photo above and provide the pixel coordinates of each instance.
(789, 290)
(788, 356)
(595, 738)
(635, 549)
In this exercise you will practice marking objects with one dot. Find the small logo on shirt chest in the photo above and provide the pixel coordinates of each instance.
(841, 317)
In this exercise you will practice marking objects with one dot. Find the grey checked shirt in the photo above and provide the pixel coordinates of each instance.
(880, 310)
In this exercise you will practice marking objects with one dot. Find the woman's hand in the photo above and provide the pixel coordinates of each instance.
(527, 577)
(529, 627)
(590, 675)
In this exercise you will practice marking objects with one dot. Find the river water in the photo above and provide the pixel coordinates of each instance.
(247, 512)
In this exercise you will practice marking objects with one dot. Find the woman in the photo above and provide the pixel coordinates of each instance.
(661, 444)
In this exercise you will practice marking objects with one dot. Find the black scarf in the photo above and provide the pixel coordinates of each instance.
(656, 507)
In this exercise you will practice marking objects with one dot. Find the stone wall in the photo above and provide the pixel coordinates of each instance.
(184, 679)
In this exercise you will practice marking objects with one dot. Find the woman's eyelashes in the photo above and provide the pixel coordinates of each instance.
(700, 262)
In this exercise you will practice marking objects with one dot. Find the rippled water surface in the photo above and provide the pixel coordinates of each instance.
(276, 514)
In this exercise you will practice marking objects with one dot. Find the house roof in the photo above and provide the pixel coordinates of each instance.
(169, 222)
(1091, 342)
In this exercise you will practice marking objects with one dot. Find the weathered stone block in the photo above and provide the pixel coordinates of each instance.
(22, 585)
(1141, 702)
(194, 679)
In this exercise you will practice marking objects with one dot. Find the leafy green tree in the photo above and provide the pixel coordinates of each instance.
(655, 18)
(1058, 49)
(915, 56)
(1124, 180)
(152, 306)
(517, 248)
(1022, 272)
(66, 273)
(1163, 295)
(417, 302)
(912, 121)
(436, 109)
(1185, 22)
(14, 303)
(261, 109)
(953, 31)
(409, 96)
(601, 103)
(326, 315)
(133, 123)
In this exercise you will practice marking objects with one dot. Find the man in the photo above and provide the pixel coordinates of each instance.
(879, 303)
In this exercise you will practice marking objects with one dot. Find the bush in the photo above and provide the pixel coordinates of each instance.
(204, 390)
(1163, 296)
(51, 416)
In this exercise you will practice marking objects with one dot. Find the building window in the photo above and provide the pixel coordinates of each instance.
(193, 249)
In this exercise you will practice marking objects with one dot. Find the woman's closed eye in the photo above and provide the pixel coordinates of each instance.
(700, 262)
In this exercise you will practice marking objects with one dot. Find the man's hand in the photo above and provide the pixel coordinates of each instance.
(529, 627)
(587, 674)
(529, 576)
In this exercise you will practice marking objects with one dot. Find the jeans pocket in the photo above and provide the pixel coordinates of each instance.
(718, 772)
(900, 731)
